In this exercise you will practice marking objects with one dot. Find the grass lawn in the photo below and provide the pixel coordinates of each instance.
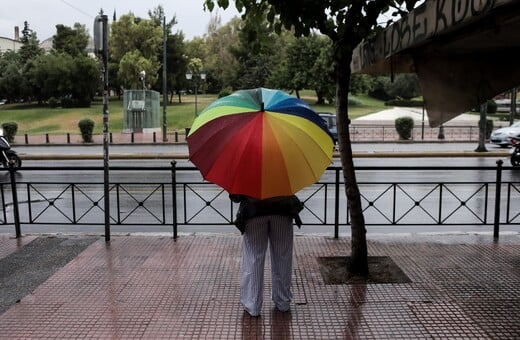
(34, 120)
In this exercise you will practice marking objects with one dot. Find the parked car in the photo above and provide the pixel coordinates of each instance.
(3, 101)
(502, 136)
(330, 121)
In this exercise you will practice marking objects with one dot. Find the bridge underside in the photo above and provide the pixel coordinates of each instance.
(462, 55)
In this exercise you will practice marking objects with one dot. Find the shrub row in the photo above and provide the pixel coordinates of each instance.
(86, 127)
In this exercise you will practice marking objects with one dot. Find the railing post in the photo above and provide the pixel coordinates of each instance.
(154, 138)
(174, 199)
(68, 138)
(111, 138)
(47, 138)
(16, 211)
(26, 139)
(132, 138)
(498, 184)
(176, 136)
(336, 206)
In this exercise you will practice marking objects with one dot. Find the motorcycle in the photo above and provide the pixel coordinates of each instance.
(515, 151)
(9, 158)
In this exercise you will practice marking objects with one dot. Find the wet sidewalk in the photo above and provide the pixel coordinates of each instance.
(153, 287)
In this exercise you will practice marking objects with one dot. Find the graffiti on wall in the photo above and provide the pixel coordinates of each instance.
(432, 18)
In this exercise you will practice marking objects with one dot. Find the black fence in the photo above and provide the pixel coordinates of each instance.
(178, 196)
(358, 133)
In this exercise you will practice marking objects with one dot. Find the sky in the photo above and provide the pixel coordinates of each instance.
(44, 15)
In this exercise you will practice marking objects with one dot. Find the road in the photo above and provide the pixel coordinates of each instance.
(171, 150)
(393, 150)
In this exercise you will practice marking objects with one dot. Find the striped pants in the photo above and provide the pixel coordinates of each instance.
(277, 231)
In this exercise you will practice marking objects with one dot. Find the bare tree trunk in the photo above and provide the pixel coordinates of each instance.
(359, 252)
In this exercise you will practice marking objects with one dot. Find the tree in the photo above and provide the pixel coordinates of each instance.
(30, 45)
(346, 23)
(405, 85)
(135, 40)
(175, 51)
(221, 65)
(72, 41)
(254, 53)
(13, 83)
(72, 80)
(29, 50)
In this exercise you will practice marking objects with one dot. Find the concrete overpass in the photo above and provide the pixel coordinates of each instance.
(464, 52)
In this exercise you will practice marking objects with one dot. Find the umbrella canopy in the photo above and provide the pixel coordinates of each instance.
(261, 143)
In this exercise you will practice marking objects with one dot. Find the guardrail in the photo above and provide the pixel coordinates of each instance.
(178, 196)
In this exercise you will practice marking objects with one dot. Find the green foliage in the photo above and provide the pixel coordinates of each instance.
(361, 83)
(10, 129)
(35, 119)
(53, 102)
(134, 45)
(404, 103)
(225, 92)
(305, 64)
(221, 65)
(30, 45)
(352, 101)
(175, 53)
(13, 84)
(86, 127)
(491, 106)
(404, 86)
(378, 90)
(404, 126)
(72, 79)
(72, 41)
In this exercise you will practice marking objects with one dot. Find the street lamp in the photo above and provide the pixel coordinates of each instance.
(190, 76)
(142, 76)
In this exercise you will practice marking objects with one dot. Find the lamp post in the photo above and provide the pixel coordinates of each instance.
(190, 76)
(142, 76)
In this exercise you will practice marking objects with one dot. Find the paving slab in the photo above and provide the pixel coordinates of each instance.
(154, 287)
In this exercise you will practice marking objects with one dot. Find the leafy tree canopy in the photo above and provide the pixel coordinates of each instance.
(72, 41)
(138, 41)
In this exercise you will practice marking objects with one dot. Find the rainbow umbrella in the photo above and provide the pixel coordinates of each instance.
(261, 143)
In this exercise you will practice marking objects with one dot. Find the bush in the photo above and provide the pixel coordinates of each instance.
(86, 126)
(225, 92)
(66, 102)
(53, 102)
(354, 101)
(404, 103)
(10, 129)
(404, 126)
(491, 106)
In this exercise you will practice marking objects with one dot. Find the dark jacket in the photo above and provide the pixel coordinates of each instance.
(251, 207)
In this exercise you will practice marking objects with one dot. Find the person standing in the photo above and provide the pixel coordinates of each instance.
(266, 223)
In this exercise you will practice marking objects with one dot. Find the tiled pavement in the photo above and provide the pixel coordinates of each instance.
(151, 287)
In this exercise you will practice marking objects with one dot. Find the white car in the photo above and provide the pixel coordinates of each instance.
(502, 136)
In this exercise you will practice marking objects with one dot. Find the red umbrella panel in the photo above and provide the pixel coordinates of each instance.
(261, 143)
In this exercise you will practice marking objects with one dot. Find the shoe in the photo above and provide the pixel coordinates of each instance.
(283, 310)
(252, 314)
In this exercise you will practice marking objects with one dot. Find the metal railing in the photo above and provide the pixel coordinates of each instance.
(358, 133)
(178, 196)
